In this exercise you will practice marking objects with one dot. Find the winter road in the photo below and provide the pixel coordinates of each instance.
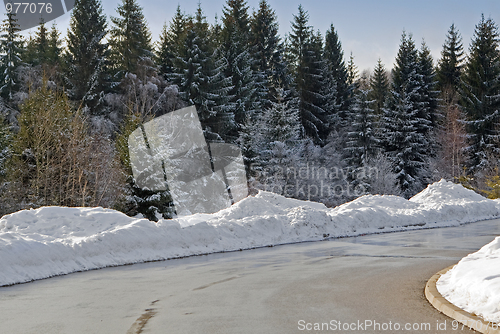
(352, 285)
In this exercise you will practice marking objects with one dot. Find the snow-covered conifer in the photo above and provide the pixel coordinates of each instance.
(10, 59)
(480, 95)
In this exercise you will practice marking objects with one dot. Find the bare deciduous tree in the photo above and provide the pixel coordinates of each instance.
(452, 139)
(55, 159)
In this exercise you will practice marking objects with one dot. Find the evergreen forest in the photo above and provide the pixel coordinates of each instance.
(309, 124)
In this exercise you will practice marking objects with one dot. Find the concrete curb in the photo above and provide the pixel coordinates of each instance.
(444, 306)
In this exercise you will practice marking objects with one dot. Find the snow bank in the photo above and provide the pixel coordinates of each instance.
(49, 241)
(474, 283)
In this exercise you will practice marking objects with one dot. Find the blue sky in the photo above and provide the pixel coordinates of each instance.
(369, 28)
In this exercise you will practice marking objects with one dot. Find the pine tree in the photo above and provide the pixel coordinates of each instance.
(130, 38)
(337, 73)
(307, 65)
(481, 94)
(379, 84)
(10, 46)
(450, 65)
(402, 138)
(86, 55)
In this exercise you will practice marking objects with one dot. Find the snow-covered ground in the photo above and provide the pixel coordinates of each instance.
(474, 283)
(49, 241)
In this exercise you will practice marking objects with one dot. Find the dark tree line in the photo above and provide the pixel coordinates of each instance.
(290, 103)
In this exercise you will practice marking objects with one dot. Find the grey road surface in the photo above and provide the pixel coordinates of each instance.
(372, 283)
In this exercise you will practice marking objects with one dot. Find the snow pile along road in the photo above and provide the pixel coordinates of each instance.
(474, 283)
(51, 241)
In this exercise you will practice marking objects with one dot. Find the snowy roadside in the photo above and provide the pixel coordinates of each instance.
(474, 283)
(50, 241)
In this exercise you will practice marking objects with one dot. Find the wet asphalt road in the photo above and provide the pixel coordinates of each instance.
(373, 279)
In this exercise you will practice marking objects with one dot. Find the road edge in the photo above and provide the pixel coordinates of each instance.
(452, 311)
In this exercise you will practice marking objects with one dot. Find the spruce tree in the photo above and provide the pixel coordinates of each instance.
(480, 94)
(379, 84)
(300, 36)
(450, 65)
(282, 123)
(54, 50)
(308, 67)
(164, 56)
(188, 74)
(147, 202)
(319, 91)
(130, 38)
(362, 141)
(170, 45)
(428, 92)
(402, 122)
(11, 49)
(235, 48)
(36, 46)
(352, 71)
(353, 79)
(214, 109)
(42, 42)
(268, 53)
(86, 55)
(337, 73)
(236, 21)
(199, 76)
(278, 143)
(29, 51)
(46, 46)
